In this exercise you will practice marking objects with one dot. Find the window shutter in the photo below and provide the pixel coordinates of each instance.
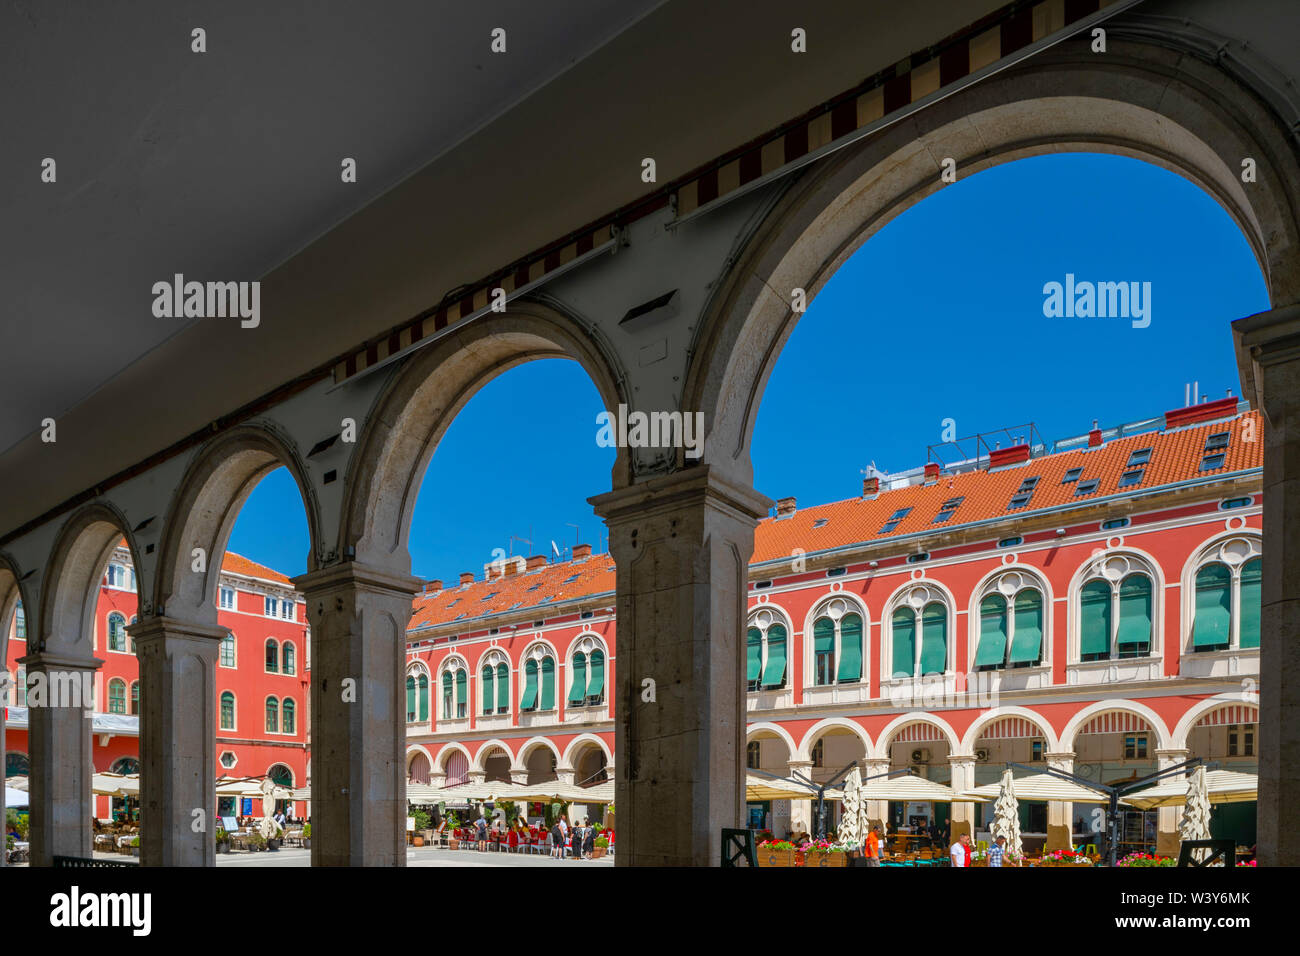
(992, 649)
(578, 690)
(1027, 640)
(823, 641)
(410, 696)
(1252, 574)
(1213, 627)
(530, 686)
(1094, 618)
(1135, 613)
(462, 680)
(850, 648)
(774, 673)
(489, 678)
(548, 683)
(423, 684)
(904, 642)
(753, 655)
(596, 679)
(446, 695)
(934, 639)
(503, 688)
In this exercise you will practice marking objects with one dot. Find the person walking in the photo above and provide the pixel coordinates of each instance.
(997, 850)
(872, 851)
(589, 842)
(960, 851)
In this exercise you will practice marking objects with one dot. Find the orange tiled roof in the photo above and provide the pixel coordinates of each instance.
(1175, 457)
(550, 583)
(238, 564)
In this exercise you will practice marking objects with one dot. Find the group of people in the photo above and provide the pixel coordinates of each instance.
(961, 852)
(572, 842)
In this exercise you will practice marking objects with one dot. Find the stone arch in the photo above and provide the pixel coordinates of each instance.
(77, 561)
(427, 392)
(520, 764)
(776, 730)
(449, 748)
(1149, 102)
(11, 593)
(485, 748)
(584, 740)
(204, 508)
(416, 753)
(1071, 729)
(1193, 715)
(576, 759)
(818, 730)
(891, 729)
(989, 718)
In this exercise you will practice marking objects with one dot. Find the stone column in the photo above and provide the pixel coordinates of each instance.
(477, 776)
(517, 776)
(682, 544)
(1168, 839)
(178, 743)
(1060, 813)
(877, 810)
(963, 778)
(59, 723)
(802, 812)
(358, 617)
(565, 775)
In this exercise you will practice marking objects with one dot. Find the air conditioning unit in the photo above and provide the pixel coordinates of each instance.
(921, 756)
(982, 755)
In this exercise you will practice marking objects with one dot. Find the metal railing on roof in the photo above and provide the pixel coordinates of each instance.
(969, 453)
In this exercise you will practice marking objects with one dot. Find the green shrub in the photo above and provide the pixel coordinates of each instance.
(306, 831)
(421, 820)
(602, 842)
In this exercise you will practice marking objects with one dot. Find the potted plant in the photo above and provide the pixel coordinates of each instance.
(223, 840)
(306, 836)
(775, 853)
(420, 837)
(135, 846)
(256, 841)
(821, 853)
(600, 847)
(1146, 859)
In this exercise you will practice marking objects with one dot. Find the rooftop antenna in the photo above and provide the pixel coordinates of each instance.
(576, 532)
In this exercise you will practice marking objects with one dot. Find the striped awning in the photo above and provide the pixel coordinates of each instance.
(1230, 714)
(1010, 728)
(1222, 786)
(1116, 722)
(919, 733)
(1042, 786)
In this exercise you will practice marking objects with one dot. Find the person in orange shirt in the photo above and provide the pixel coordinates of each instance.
(873, 846)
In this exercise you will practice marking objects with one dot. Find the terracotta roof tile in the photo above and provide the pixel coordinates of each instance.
(549, 584)
(238, 564)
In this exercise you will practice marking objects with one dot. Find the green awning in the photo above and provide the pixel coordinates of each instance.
(904, 642)
(992, 648)
(1252, 573)
(1027, 642)
(423, 684)
(446, 696)
(503, 688)
(596, 675)
(1213, 626)
(489, 685)
(578, 687)
(850, 648)
(1094, 618)
(774, 673)
(530, 686)
(1134, 612)
(753, 654)
(462, 684)
(410, 695)
(548, 683)
(934, 639)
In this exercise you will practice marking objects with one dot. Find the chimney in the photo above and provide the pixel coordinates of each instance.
(870, 486)
(784, 506)
(467, 577)
(931, 472)
(536, 561)
(1094, 436)
(434, 585)
(1011, 455)
(515, 565)
(1202, 412)
(582, 550)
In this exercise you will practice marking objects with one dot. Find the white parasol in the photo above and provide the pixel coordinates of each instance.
(269, 827)
(851, 819)
(1006, 815)
(1196, 812)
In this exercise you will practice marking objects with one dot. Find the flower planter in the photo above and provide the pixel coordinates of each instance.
(598, 852)
(306, 843)
(418, 841)
(775, 857)
(820, 858)
(453, 844)
(273, 844)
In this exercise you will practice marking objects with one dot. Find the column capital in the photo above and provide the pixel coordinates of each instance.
(963, 759)
(665, 492)
(149, 628)
(799, 764)
(1173, 754)
(44, 659)
(1060, 755)
(1264, 339)
(356, 574)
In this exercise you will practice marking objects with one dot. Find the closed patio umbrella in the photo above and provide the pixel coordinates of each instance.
(1006, 820)
(852, 819)
(1195, 824)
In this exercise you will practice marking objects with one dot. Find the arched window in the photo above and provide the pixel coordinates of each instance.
(455, 689)
(765, 651)
(487, 689)
(539, 680)
(919, 631)
(410, 698)
(587, 673)
(124, 765)
(272, 656)
(1116, 610)
(462, 693)
(837, 644)
(1011, 624)
(281, 775)
(503, 688)
(116, 632)
(227, 710)
(135, 697)
(17, 765)
(596, 677)
(117, 697)
(287, 722)
(423, 684)
(286, 657)
(448, 695)
(272, 715)
(578, 686)
(1227, 602)
(228, 651)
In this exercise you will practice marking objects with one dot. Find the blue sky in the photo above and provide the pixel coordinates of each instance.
(939, 315)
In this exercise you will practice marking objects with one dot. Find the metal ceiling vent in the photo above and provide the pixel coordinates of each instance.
(649, 313)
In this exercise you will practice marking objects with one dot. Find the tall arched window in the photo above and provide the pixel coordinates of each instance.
(487, 689)
(1227, 597)
(1011, 623)
(272, 656)
(422, 683)
(410, 698)
(765, 651)
(503, 688)
(272, 715)
(117, 697)
(462, 693)
(837, 644)
(287, 715)
(135, 697)
(448, 695)
(919, 630)
(286, 657)
(587, 673)
(596, 677)
(539, 680)
(227, 710)
(228, 651)
(116, 632)
(578, 685)
(1116, 611)
(455, 689)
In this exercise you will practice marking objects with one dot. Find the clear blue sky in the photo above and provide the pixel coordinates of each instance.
(939, 315)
